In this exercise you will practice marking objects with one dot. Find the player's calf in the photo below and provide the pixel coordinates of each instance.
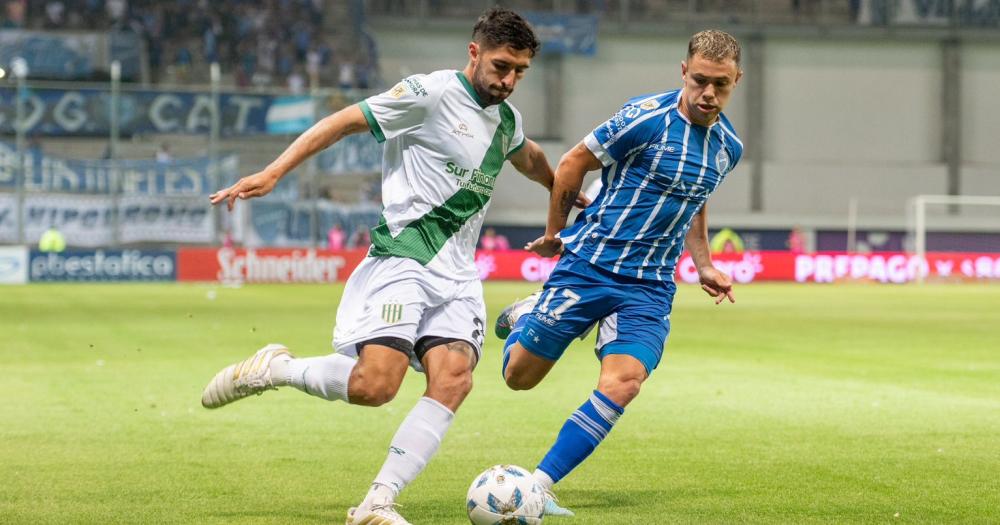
(524, 370)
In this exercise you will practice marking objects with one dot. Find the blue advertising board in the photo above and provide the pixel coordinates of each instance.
(87, 112)
(103, 265)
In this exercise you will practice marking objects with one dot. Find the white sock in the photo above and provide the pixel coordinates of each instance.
(543, 479)
(379, 494)
(415, 442)
(324, 376)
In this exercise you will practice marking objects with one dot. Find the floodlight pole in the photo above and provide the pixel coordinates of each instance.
(20, 67)
(116, 182)
(214, 176)
(852, 225)
(920, 233)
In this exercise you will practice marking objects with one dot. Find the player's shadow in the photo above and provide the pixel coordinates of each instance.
(270, 515)
(585, 499)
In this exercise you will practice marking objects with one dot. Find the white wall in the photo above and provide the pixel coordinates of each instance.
(842, 118)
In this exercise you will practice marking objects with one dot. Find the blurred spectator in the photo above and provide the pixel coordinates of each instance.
(262, 43)
(345, 79)
(14, 14)
(54, 14)
(796, 241)
(361, 238)
(163, 155)
(726, 241)
(297, 81)
(52, 241)
(335, 237)
(492, 241)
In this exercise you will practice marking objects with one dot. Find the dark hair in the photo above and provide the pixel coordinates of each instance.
(502, 27)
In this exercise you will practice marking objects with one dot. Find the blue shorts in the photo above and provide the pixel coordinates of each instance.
(634, 314)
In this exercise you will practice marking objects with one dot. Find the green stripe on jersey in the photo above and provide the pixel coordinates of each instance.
(423, 238)
(372, 123)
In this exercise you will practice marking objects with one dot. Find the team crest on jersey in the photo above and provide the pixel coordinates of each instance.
(397, 91)
(392, 312)
(722, 161)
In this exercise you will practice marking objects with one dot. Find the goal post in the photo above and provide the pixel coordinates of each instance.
(964, 214)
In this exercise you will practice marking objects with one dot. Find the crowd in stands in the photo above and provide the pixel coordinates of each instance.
(280, 43)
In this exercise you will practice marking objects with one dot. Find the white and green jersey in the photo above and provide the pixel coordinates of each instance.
(443, 152)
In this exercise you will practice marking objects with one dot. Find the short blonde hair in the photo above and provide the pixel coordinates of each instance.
(714, 45)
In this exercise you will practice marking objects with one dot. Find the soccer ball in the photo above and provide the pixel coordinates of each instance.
(505, 495)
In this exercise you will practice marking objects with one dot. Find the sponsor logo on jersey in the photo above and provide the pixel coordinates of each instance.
(462, 130)
(649, 104)
(415, 86)
(472, 179)
(392, 312)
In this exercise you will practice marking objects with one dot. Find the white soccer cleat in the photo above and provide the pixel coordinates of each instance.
(376, 514)
(248, 377)
(552, 507)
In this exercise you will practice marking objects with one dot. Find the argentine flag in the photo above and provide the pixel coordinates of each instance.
(290, 115)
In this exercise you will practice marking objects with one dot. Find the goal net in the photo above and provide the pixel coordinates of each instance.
(957, 235)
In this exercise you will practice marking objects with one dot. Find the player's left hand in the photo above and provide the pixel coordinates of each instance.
(546, 247)
(582, 201)
(717, 284)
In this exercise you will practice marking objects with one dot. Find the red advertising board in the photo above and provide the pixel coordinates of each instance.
(270, 265)
(276, 265)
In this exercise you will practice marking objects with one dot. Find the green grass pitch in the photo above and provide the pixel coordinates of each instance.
(798, 404)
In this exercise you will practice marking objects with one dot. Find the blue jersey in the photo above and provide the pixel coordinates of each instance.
(659, 170)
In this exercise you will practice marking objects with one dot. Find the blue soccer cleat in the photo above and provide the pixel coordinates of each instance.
(552, 507)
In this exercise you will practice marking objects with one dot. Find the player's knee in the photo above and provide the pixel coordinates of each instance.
(372, 392)
(621, 390)
(450, 388)
(457, 384)
(518, 381)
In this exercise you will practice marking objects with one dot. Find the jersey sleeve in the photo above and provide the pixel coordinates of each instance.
(403, 108)
(631, 128)
(518, 140)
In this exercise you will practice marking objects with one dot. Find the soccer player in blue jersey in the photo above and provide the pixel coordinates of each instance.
(661, 157)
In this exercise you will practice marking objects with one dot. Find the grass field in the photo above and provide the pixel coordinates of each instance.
(798, 404)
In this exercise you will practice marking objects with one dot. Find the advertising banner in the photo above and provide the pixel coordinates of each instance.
(103, 265)
(88, 220)
(187, 176)
(87, 112)
(313, 266)
(273, 265)
(13, 264)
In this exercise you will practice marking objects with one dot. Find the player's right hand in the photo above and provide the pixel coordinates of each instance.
(545, 246)
(255, 185)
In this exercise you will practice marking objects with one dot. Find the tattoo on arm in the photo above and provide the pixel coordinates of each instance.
(566, 201)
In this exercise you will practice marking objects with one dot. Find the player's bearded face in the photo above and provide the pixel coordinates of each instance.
(707, 87)
(496, 71)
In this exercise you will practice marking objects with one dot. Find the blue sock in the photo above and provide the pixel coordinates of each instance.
(580, 435)
(515, 333)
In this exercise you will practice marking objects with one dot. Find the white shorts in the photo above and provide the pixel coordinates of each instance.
(397, 297)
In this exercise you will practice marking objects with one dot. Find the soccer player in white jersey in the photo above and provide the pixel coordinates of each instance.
(661, 157)
(416, 300)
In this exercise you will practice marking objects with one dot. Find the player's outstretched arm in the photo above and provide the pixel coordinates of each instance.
(565, 192)
(714, 282)
(320, 136)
